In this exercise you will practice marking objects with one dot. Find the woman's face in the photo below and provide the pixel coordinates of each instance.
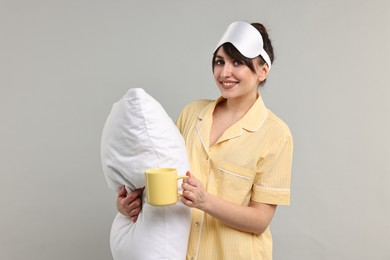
(234, 79)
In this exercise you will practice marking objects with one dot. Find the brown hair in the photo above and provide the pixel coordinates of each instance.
(233, 53)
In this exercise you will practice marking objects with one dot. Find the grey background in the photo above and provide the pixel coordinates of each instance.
(63, 64)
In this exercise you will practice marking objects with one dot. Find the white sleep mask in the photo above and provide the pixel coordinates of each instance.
(247, 40)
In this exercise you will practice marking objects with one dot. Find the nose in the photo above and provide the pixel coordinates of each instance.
(226, 70)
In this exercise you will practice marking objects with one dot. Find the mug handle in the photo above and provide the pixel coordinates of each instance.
(178, 178)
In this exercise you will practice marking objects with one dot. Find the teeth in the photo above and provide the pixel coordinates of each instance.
(228, 84)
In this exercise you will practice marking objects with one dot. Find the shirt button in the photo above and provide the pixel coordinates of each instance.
(192, 258)
(197, 223)
(207, 157)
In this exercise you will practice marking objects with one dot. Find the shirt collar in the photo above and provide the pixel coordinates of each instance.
(251, 121)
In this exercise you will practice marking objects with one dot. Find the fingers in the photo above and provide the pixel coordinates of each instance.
(134, 205)
(187, 202)
(188, 175)
(122, 193)
(134, 219)
(133, 195)
(134, 213)
(130, 204)
(191, 182)
(134, 202)
(194, 194)
(189, 189)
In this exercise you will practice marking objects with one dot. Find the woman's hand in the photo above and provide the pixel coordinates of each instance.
(194, 194)
(130, 204)
(254, 218)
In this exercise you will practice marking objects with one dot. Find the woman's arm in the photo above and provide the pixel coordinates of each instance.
(254, 218)
(130, 204)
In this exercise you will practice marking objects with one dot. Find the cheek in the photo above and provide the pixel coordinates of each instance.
(216, 73)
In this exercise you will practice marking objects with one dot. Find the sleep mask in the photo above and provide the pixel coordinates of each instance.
(247, 40)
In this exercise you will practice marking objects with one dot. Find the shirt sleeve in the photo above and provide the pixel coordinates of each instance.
(179, 122)
(272, 182)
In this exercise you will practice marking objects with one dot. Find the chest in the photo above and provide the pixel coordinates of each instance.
(220, 124)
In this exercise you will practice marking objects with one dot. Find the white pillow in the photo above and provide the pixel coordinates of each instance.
(138, 134)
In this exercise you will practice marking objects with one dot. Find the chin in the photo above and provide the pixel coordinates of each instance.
(228, 95)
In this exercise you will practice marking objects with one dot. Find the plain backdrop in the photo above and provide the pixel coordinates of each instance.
(64, 63)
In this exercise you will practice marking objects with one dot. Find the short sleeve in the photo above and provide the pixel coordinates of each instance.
(272, 182)
(179, 122)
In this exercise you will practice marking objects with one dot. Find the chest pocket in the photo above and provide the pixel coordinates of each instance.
(233, 183)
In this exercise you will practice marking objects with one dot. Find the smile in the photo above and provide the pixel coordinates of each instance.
(229, 84)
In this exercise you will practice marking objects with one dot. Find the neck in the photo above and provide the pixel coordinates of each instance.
(239, 106)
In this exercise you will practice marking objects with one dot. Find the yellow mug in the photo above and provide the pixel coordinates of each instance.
(161, 186)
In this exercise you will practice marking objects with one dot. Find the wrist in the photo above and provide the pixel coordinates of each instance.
(207, 202)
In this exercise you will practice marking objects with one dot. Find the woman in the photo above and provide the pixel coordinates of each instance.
(240, 155)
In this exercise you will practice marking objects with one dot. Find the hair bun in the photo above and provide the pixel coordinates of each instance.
(266, 40)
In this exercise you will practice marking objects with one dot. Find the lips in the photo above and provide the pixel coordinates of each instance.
(228, 85)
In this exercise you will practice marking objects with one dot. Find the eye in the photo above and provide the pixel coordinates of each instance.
(237, 63)
(219, 62)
